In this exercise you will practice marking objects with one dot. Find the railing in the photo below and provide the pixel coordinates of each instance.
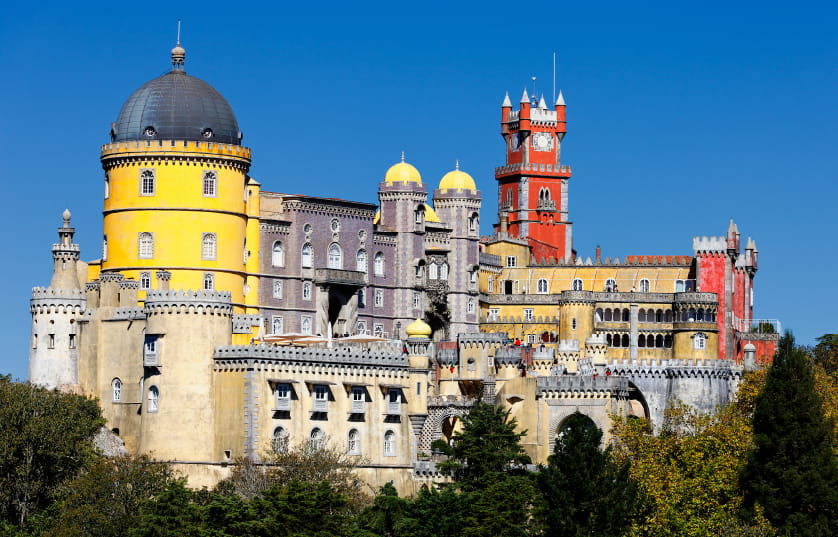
(283, 403)
(394, 407)
(357, 406)
(758, 326)
(151, 359)
(340, 277)
(546, 205)
(533, 167)
(320, 405)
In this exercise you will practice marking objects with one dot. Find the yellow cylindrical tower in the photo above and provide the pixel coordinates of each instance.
(176, 192)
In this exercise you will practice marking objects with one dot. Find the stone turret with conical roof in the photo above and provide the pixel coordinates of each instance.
(56, 310)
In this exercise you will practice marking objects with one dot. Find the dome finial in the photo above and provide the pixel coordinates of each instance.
(402, 156)
(457, 164)
(178, 53)
(66, 217)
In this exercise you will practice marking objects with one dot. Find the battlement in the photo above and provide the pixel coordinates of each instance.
(46, 293)
(565, 385)
(243, 323)
(595, 339)
(128, 314)
(568, 345)
(533, 167)
(482, 338)
(630, 260)
(702, 245)
(307, 355)
(188, 301)
(145, 147)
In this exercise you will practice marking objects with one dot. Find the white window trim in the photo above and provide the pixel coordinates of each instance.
(307, 290)
(277, 289)
(140, 253)
(209, 177)
(116, 390)
(152, 174)
(389, 444)
(209, 246)
(153, 399)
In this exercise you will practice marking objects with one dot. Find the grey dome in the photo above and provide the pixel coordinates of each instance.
(176, 106)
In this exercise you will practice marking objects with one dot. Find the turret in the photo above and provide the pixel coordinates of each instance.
(561, 115)
(505, 108)
(56, 310)
(732, 240)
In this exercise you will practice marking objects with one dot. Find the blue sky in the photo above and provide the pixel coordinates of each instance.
(681, 115)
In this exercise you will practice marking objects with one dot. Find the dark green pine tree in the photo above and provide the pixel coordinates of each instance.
(791, 471)
(583, 492)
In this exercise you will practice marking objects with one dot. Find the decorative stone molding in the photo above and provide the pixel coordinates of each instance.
(189, 301)
(243, 323)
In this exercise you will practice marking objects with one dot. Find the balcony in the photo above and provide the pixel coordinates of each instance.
(331, 276)
(546, 205)
(357, 407)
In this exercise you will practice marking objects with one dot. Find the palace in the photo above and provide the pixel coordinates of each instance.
(223, 320)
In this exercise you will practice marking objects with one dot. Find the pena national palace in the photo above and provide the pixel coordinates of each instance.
(224, 321)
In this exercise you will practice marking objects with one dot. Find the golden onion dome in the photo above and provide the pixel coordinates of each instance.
(430, 214)
(457, 180)
(402, 172)
(417, 329)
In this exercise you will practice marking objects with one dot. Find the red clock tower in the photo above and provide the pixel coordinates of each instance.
(532, 186)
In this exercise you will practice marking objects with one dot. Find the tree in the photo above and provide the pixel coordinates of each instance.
(826, 353)
(792, 472)
(487, 448)
(583, 491)
(688, 473)
(46, 438)
(104, 500)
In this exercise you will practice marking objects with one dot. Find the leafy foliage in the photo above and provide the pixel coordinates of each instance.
(487, 448)
(688, 472)
(583, 491)
(104, 500)
(45, 438)
(792, 472)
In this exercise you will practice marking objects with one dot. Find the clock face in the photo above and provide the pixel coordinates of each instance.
(542, 141)
(515, 141)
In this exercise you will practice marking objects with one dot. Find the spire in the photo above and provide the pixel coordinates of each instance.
(178, 53)
(525, 98)
(731, 228)
(560, 99)
(541, 103)
(506, 102)
(65, 253)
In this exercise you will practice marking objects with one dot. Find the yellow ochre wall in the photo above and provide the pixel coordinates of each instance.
(178, 214)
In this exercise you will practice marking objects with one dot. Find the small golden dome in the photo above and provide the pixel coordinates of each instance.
(430, 214)
(417, 329)
(457, 180)
(402, 172)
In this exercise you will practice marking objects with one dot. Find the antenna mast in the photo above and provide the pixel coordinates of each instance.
(178, 32)
(554, 77)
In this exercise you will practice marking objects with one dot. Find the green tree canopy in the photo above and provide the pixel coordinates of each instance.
(46, 438)
(583, 491)
(792, 472)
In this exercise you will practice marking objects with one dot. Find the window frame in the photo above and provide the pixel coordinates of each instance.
(389, 443)
(153, 399)
(277, 254)
(148, 182)
(209, 246)
(209, 179)
(145, 245)
(276, 291)
(116, 390)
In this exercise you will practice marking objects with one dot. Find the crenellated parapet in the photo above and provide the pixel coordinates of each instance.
(242, 324)
(343, 356)
(481, 339)
(582, 386)
(128, 314)
(49, 300)
(710, 246)
(206, 302)
(176, 151)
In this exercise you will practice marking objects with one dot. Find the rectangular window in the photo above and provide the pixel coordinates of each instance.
(145, 280)
(490, 286)
(494, 314)
(277, 288)
(306, 290)
(34, 341)
(359, 399)
(209, 282)
(305, 324)
(528, 316)
(51, 341)
(511, 261)
(321, 398)
(276, 325)
(208, 246)
(378, 330)
(417, 300)
(147, 182)
(150, 350)
(394, 401)
(379, 298)
(145, 248)
(361, 327)
(210, 182)
(282, 397)
(72, 341)
(531, 339)
(107, 185)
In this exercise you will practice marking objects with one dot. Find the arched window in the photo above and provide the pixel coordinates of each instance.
(378, 264)
(209, 282)
(277, 289)
(443, 271)
(389, 444)
(577, 284)
(276, 324)
(353, 442)
(305, 325)
(641, 341)
(362, 298)
(573, 324)
(279, 442)
(699, 341)
(473, 224)
(542, 286)
(116, 390)
(470, 306)
(626, 315)
(105, 248)
(598, 315)
(145, 249)
(610, 285)
(644, 285)
(210, 181)
(335, 261)
(679, 286)
(306, 290)
(145, 280)
(315, 441)
(361, 261)
(307, 256)
(153, 399)
(625, 340)
(659, 341)
(208, 242)
(278, 255)
(433, 271)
